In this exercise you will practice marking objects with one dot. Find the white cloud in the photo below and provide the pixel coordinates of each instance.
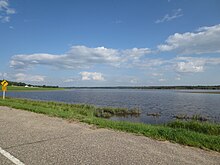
(3, 75)
(94, 55)
(21, 77)
(23, 61)
(148, 63)
(5, 19)
(79, 57)
(134, 81)
(194, 65)
(168, 17)
(10, 11)
(136, 53)
(69, 80)
(162, 80)
(178, 78)
(204, 40)
(189, 67)
(92, 76)
(5, 11)
(157, 74)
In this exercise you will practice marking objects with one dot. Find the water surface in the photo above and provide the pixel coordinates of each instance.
(166, 102)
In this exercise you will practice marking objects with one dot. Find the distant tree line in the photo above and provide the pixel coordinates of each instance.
(45, 86)
(216, 87)
(13, 83)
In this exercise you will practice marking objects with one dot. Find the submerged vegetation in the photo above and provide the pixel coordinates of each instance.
(196, 117)
(154, 114)
(107, 112)
(192, 133)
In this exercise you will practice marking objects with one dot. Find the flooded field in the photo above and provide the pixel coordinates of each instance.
(156, 106)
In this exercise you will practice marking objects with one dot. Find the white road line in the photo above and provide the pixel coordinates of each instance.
(10, 157)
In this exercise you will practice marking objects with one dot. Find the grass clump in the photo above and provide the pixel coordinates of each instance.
(154, 114)
(202, 135)
(107, 112)
(195, 117)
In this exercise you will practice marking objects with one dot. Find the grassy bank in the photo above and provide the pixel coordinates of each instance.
(22, 88)
(202, 135)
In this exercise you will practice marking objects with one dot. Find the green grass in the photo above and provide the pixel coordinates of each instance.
(22, 88)
(193, 133)
(201, 127)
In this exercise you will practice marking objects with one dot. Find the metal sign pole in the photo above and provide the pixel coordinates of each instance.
(3, 95)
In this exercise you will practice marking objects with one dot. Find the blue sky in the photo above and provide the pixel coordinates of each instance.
(111, 42)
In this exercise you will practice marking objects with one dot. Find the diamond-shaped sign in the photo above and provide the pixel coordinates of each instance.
(4, 83)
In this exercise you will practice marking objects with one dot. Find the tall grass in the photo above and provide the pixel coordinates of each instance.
(202, 135)
(201, 127)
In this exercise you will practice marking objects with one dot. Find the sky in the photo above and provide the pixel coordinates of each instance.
(110, 42)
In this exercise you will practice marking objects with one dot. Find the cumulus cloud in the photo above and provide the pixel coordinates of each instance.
(136, 53)
(148, 63)
(21, 77)
(204, 40)
(23, 61)
(157, 74)
(168, 17)
(94, 55)
(92, 76)
(69, 80)
(3, 75)
(189, 67)
(162, 80)
(5, 11)
(134, 81)
(177, 78)
(78, 57)
(194, 65)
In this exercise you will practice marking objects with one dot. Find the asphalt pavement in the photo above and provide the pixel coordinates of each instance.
(36, 139)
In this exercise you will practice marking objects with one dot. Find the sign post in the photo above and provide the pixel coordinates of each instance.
(3, 95)
(4, 84)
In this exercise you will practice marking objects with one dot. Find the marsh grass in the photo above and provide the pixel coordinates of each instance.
(107, 112)
(196, 117)
(202, 135)
(154, 114)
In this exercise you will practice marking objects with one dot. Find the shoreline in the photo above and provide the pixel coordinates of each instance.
(196, 134)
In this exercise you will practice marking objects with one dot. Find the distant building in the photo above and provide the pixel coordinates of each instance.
(26, 86)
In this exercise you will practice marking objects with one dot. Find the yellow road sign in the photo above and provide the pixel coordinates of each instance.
(4, 88)
(4, 83)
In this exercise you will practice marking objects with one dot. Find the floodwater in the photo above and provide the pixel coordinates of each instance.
(166, 102)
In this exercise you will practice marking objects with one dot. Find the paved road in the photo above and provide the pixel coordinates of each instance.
(35, 139)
